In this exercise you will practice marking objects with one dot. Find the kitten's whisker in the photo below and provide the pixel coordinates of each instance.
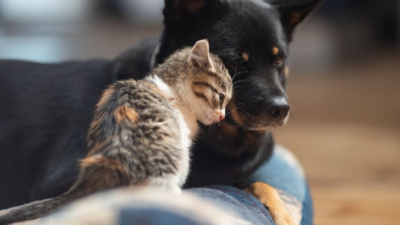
(232, 110)
(228, 113)
(208, 117)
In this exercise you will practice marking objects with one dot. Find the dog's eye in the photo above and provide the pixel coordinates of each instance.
(279, 62)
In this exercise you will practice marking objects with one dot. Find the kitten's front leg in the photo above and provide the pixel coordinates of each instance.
(269, 197)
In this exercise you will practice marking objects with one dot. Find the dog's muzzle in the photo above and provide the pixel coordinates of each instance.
(260, 115)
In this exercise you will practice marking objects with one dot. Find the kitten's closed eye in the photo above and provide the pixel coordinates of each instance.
(221, 100)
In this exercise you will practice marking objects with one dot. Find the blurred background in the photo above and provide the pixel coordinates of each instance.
(344, 87)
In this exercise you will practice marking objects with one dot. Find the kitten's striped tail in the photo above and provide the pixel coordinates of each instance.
(35, 210)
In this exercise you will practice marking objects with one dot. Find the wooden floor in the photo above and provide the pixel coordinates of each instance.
(345, 129)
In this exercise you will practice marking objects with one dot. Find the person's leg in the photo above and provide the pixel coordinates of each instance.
(235, 200)
(219, 205)
(282, 171)
(285, 174)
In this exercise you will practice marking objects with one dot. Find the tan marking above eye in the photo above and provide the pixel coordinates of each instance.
(275, 50)
(245, 56)
(295, 18)
(194, 6)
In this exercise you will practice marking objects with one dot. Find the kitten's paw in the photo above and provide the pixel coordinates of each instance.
(269, 197)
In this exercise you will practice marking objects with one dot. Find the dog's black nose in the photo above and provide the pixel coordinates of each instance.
(278, 109)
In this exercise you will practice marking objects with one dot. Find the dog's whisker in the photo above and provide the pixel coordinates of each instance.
(233, 78)
(240, 81)
(235, 71)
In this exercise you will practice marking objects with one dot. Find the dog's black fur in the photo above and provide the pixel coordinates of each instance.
(45, 109)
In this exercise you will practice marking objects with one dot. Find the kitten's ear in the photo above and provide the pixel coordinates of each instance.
(293, 12)
(199, 56)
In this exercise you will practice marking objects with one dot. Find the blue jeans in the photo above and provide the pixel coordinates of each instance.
(284, 173)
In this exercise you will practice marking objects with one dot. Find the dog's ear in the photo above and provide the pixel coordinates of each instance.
(179, 9)
(175, 9)
(292, 12)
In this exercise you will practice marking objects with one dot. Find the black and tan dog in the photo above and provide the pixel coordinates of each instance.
(46, 109)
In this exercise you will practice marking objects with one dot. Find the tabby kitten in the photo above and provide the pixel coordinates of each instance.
(142, 130)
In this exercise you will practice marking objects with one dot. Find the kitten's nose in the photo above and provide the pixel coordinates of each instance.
(221, 117)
